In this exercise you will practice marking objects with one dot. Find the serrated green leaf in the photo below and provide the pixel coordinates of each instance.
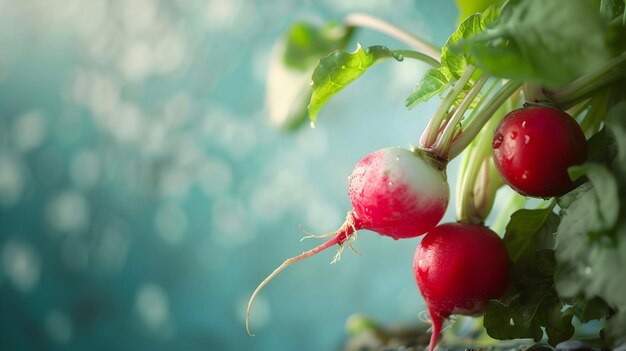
(591, 240)
(504, 322)
(339, 69)
(456, 62)
(605, 190)
(524, 228)
(434, 82)
(525, 316)
(540, 41)
(616, 123)
(590, 310)
(559, 325)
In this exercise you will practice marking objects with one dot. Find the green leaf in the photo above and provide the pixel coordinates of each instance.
(524, 228)
(470, 7)
(541, 41)
(558, 324)
(292, 62)
(590, 310)
(504, 322)
(531, 302)
(616, 123)
(339, 69)
(605, 191)
(456, 62)
(598, 148)
(591, 239)
(434, 82)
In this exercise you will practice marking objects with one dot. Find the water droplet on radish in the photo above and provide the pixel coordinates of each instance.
(513, 135)
(389, 183)
(311, 82)
(397, 158)
(526, 139)
(588, 270)
(524, 124)
(525, 174)
(312, 124)
(497, 140)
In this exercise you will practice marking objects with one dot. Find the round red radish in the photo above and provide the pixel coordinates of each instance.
(398, 193)
(534, 147)
(395, 192)
(458, 268)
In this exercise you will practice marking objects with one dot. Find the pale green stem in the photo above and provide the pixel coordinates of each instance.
(510, 88)
(587, 84)
(442, 145)
(376, 24)
(429, 136)
(418, 56)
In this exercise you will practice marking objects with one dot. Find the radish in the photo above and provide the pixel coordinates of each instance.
(458, 268)
(395, 192)
(534, 147)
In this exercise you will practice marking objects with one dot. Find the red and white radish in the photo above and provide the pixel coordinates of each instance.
(458, 268)
(395, 192)
(534, 146)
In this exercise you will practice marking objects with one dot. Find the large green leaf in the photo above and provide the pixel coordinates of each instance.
(591, 239)
(524, 228)
(335, 71)
(549, 42)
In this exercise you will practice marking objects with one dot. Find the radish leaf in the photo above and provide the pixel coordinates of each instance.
(434, 82)
(541, 41)
(340, 68)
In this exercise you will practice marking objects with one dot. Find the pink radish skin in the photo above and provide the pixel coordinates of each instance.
(395, 192)
(458, 268)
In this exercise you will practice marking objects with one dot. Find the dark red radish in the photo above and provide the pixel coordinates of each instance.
(458, 268)
(395, 192)
(534, 146)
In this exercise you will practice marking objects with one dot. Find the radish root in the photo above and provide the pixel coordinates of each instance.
(340, 236)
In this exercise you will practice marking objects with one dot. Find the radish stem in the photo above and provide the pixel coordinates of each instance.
(429, 135)
(418, 56)
(510, 88)
(442, 145)
(367, 21)
(587, 84)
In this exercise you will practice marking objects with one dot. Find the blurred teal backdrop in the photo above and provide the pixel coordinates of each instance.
(144, 194)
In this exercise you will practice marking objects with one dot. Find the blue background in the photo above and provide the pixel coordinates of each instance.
(144, 194)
